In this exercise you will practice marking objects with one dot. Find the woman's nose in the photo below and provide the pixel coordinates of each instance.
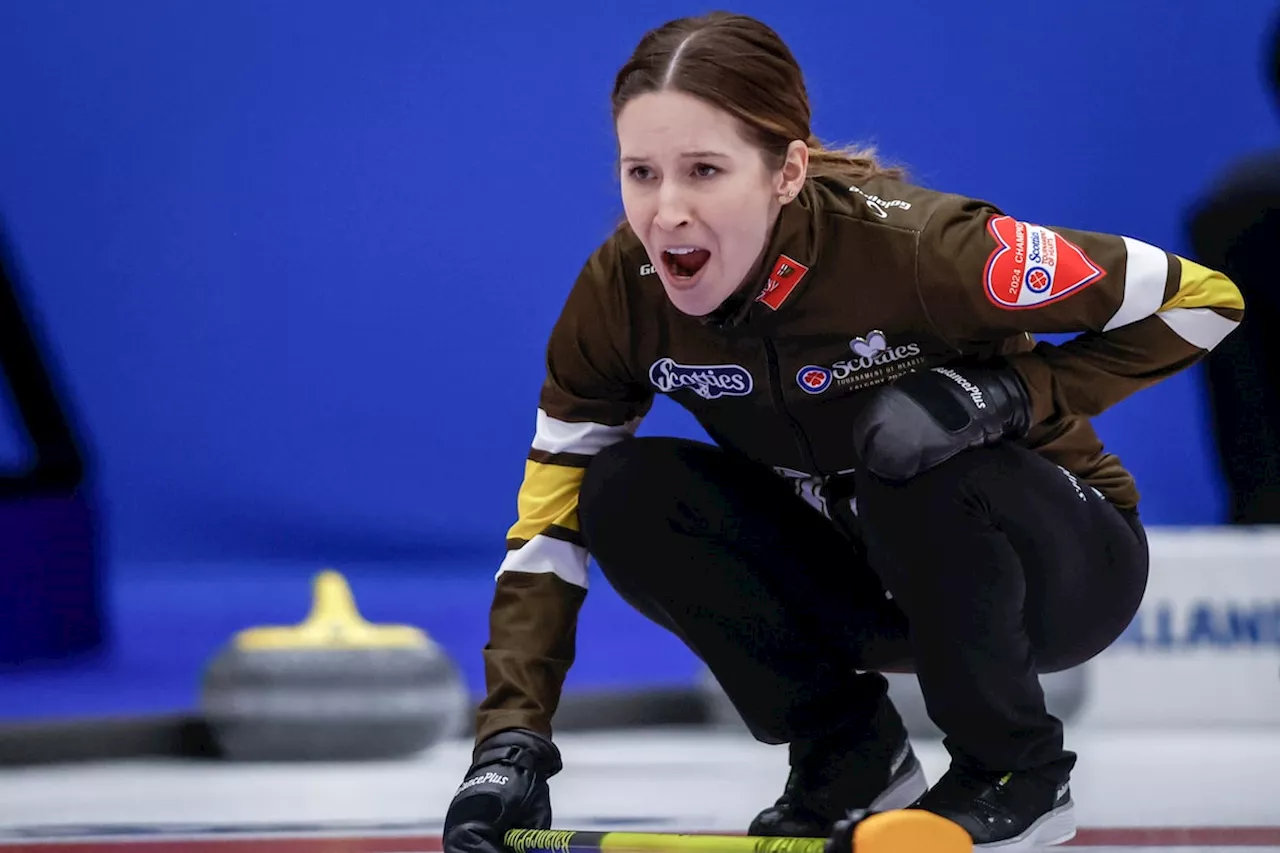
(673, 207)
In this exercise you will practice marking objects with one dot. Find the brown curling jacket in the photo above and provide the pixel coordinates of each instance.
(857, 286)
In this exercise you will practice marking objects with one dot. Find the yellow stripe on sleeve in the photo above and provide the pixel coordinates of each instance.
(548, 497)
(1201, 287)
(1206, 307)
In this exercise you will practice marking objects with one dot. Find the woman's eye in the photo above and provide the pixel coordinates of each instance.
(640, 173)
(702, 170)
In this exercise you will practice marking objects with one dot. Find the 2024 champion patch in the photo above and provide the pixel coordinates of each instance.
(1033, 266)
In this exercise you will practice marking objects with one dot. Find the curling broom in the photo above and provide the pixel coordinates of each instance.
(899, 831)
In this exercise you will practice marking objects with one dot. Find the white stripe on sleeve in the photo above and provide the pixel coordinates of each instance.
(1200, 327)
(1146, 270)
(553, 436)
(544, 555)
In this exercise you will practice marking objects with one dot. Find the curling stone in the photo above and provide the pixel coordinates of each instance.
(334, 687)
(900, 831)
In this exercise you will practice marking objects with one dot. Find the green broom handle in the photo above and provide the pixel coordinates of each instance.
(574, 841)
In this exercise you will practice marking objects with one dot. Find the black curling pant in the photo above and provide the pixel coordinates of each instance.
(999, 564)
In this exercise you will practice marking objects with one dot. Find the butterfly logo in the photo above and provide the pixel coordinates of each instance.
(870, 346)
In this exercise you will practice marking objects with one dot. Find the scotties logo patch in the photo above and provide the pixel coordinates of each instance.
(1032, 265)
(708, 381)
(871, 361)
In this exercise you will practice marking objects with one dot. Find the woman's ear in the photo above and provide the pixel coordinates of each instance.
(795, 167)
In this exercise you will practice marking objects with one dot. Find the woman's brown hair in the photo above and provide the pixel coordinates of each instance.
(743, 67)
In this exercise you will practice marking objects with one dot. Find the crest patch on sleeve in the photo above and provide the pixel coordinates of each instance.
(1032, 266)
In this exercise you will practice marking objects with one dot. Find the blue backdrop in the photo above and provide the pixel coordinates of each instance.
(297, 260)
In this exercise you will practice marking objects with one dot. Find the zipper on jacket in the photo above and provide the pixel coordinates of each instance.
(775, 384)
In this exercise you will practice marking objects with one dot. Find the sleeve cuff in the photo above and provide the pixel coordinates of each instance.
(1037, 376)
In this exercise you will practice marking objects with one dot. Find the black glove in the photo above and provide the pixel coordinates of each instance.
(505, 788)
(929, 416)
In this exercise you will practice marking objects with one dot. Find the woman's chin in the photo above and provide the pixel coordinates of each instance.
(697, 300)
(691, 304)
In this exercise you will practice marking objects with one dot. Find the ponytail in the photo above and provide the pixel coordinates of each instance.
(849, 164)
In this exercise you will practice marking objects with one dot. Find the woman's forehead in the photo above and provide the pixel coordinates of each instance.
(671, 124)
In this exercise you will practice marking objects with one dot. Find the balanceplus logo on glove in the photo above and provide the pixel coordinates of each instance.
(495, 778)
(974, 392)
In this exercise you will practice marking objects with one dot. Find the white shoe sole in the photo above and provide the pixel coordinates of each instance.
(904, 792)
(1055, 827)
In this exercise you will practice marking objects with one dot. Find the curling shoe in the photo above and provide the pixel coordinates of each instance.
(1010, 812)
(850, 768)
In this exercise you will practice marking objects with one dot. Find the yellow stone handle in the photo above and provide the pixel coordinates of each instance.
(333, 623)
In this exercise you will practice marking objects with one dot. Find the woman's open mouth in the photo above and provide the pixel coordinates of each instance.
(683, 263)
